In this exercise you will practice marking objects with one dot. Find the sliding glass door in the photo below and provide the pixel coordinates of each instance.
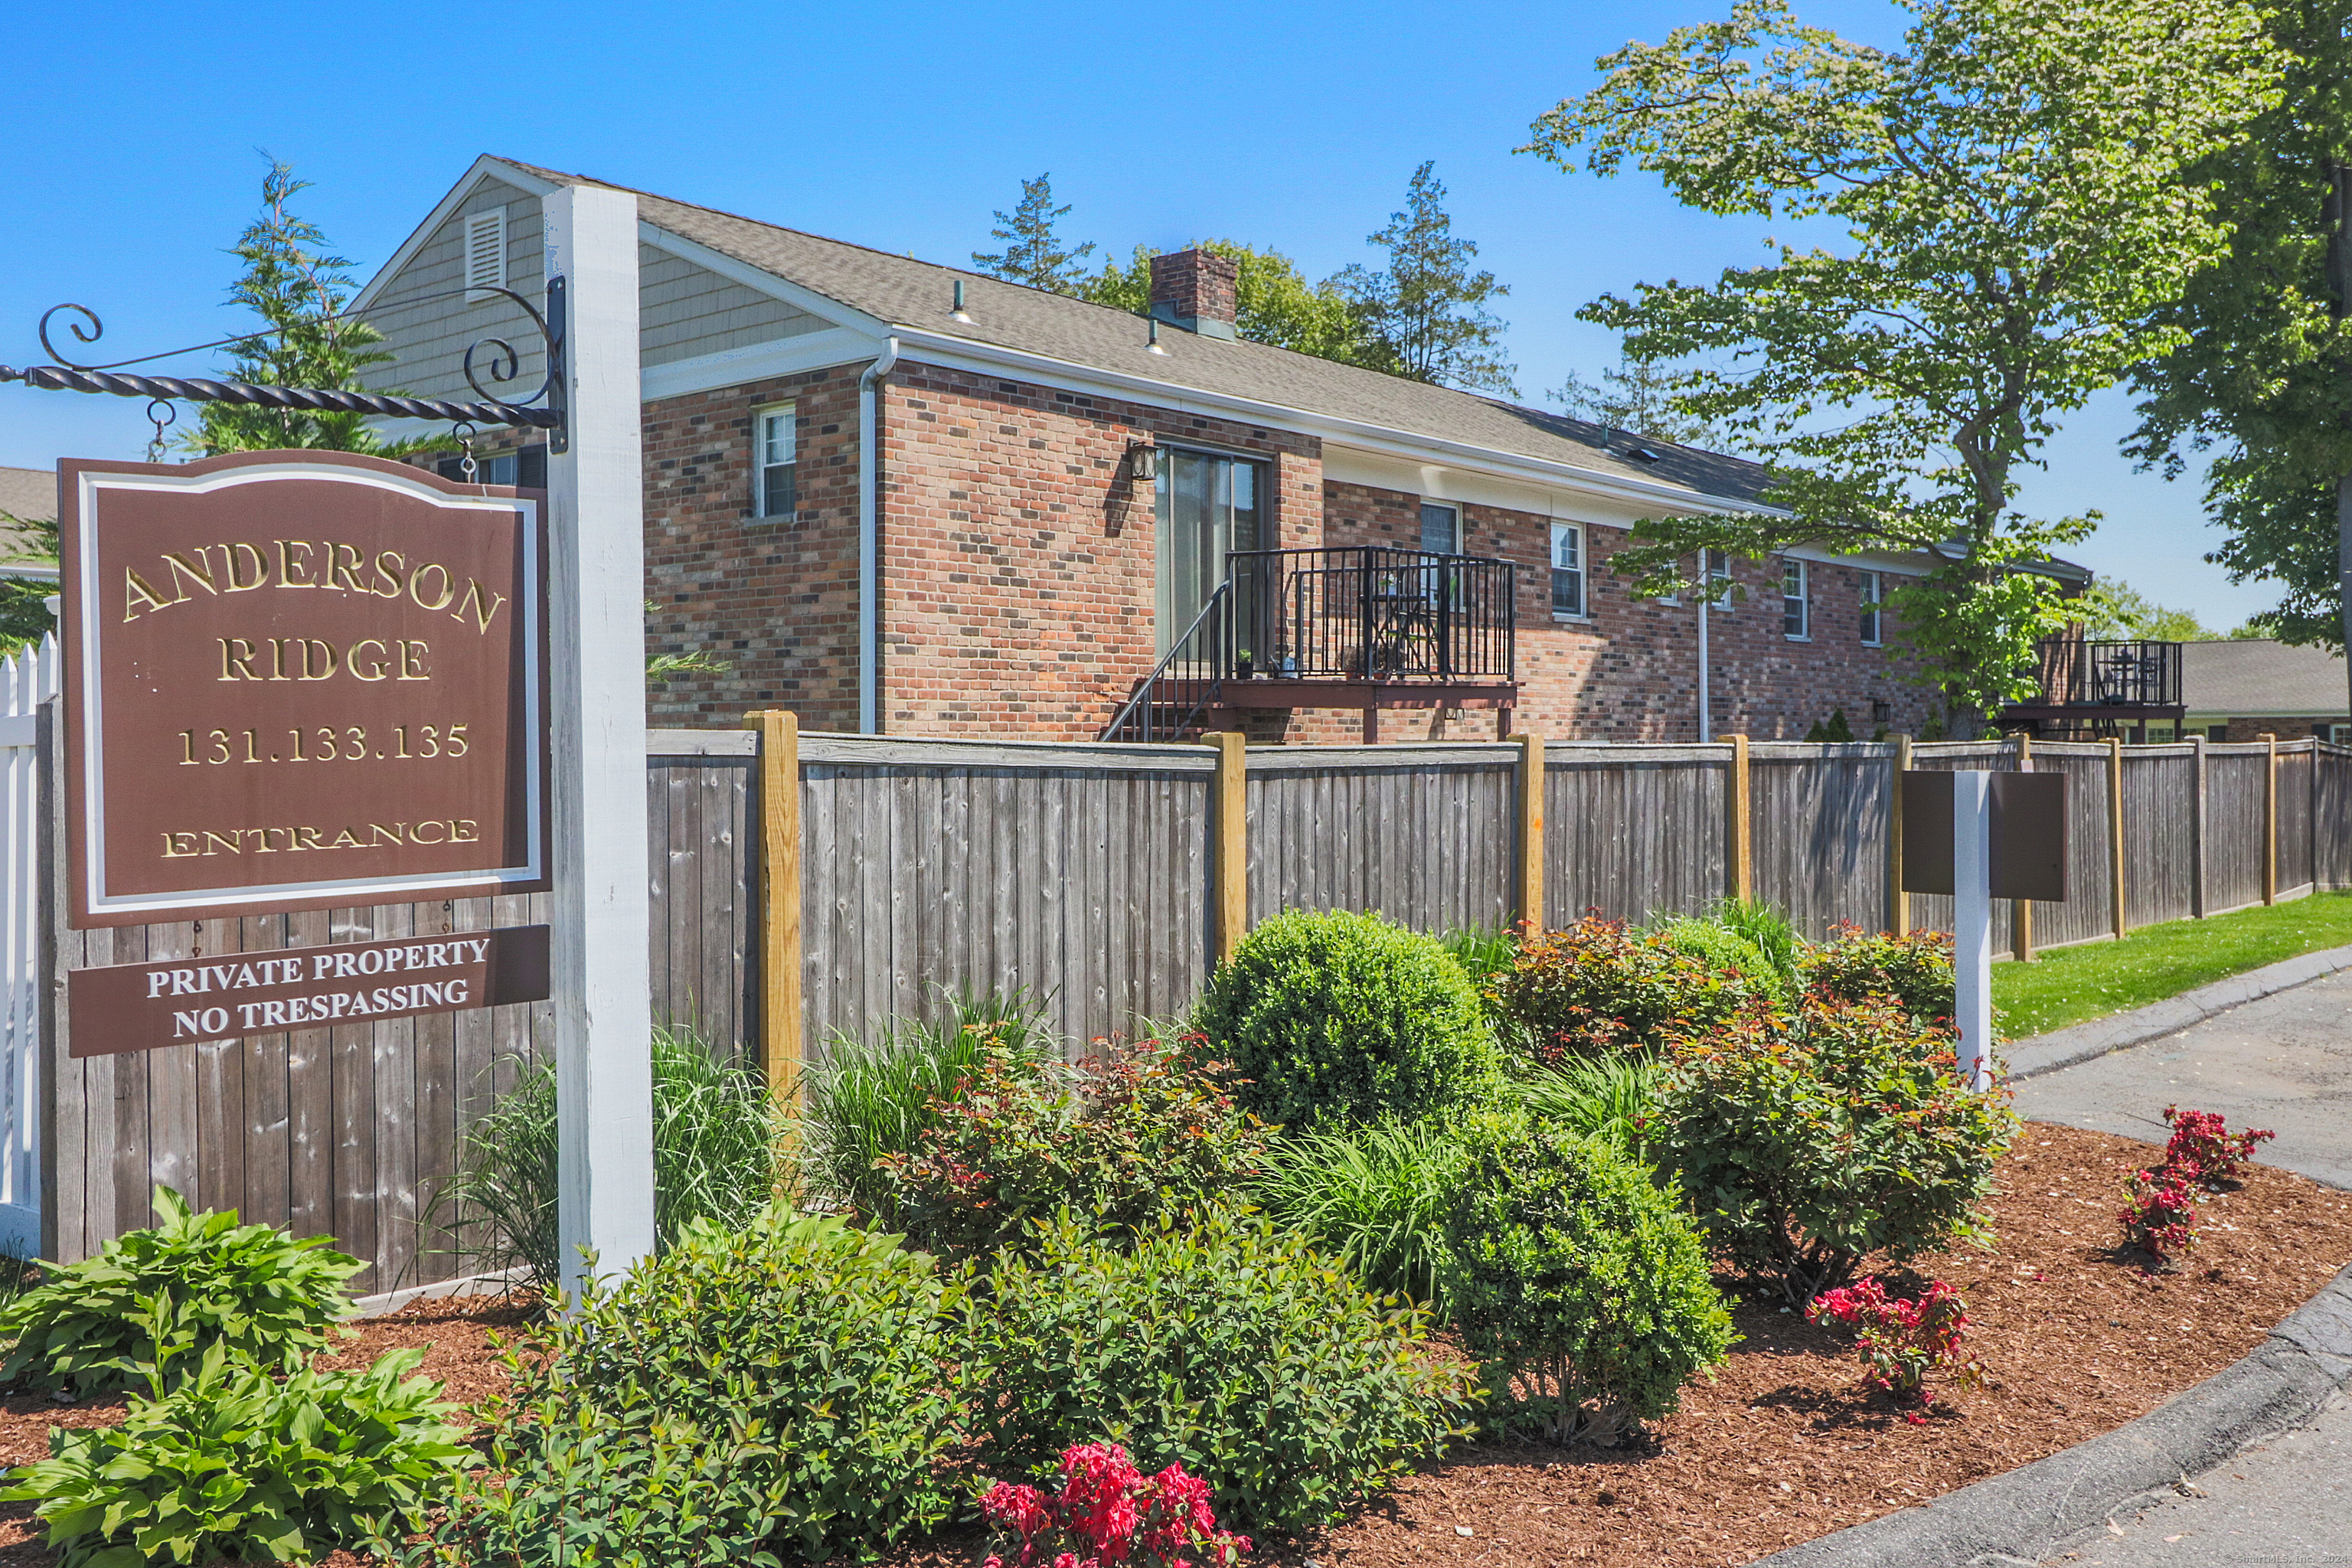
(1208, 507)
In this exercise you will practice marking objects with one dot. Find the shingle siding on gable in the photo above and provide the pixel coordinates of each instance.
(428, 341)
(687, 312)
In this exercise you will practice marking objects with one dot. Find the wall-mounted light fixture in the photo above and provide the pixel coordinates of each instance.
(1143, 464)
(957, 312)
(1882, 712)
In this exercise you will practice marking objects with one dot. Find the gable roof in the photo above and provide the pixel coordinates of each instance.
(2252, 678)
(898, 291)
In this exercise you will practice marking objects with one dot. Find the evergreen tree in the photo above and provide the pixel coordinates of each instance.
(1032, 252)
(297, 289)
(24, 616)
(1422, 310)
(1639, 396)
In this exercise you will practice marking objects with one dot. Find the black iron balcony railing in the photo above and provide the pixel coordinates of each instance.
(1370, 617)
(1373, 614)
(2075, 673)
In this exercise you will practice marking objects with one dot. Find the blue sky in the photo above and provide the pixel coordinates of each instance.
(133, 137)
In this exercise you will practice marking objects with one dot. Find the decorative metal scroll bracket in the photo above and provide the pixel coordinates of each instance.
(503, 364)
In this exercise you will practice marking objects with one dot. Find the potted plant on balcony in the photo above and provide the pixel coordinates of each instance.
(1244, 663)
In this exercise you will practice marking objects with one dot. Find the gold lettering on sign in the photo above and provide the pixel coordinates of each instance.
(412, 661)
(429, 834)
(376, 661)
(344, 568)
(136, 592)
(231, 555)
(448, 586)
(388, 576)
(483, 608)
(181, 566)
(322, 667)
(286, 578)
(237, 659)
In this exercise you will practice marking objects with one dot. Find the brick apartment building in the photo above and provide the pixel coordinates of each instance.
(903, 498)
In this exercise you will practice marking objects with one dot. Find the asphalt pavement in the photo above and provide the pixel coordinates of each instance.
(2283, 1062)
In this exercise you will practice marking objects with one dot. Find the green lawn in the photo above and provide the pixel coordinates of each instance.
(2100, 977)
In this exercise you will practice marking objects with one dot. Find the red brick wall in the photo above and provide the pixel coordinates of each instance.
(1018, 588)
(776, 600)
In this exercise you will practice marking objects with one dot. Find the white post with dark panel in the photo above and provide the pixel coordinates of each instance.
(1977, 837)
(597, 589)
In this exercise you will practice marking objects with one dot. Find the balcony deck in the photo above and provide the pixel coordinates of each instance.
(2090, 685)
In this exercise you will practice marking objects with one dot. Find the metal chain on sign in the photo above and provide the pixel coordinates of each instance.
(162, 422)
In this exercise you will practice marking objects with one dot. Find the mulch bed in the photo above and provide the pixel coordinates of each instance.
(1783, 1446)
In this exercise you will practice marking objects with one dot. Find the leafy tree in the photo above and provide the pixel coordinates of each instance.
(24, 617)
(300, 291)
(1639, 396)
(2265, 372)
(1425, 309)
(1032, 252)
(2012, 184)
(1274, 303)
(2118, 610)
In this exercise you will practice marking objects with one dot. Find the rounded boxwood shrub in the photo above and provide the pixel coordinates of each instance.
(1582, 1288)
(1812, 1139)
(810, 1354)
(1226, 1346)
(1335, 1018)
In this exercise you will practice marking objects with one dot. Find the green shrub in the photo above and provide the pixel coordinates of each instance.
(1598, 988)
(1372, 1198)
(236, 1464)
(1337, 1017)
(1721, 948)
(563, 1485)
(809, 1356)
(1580, 1286)
(1121, 1137)
(168, 1294)
(1915, 971)
(1810, 1141)
(715, 1143)
(1614, 1098)
(872, 1098)
(1226, 1347)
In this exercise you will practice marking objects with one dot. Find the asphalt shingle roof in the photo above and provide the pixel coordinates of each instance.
(903, 291)
(2254, 677)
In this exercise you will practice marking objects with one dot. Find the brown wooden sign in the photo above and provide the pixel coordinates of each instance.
(175, 1001)
(2028, 835)
(299, 681)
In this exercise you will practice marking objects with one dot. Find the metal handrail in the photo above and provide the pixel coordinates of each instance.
(1138, 718)
(1376, 612)
(2080, 672)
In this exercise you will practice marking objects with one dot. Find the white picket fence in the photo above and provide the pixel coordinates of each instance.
(26, 680)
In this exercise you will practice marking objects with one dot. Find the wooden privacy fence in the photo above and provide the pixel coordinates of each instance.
(805, 887)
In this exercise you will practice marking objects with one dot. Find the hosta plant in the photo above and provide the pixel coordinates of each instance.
(2201, 1141)
(234, 1463)
(2160, 1213)
(161, 1298)
(1903, 1341)
(1107, 1511)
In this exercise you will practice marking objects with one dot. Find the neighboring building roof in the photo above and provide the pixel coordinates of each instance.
(901, 292)
(29, 493)
(2250, 678)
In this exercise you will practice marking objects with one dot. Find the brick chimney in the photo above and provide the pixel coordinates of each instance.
(1195, 290)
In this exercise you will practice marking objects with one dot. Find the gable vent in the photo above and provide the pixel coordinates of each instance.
(486, 252)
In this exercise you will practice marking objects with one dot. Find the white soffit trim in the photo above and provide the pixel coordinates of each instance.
(758, 362)
(762, 280)
(962, 353)
(484, 167)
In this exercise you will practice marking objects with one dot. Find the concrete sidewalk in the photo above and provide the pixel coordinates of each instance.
(2283, 1062)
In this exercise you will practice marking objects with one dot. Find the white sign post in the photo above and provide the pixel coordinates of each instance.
(1972, 924)
(599, 966)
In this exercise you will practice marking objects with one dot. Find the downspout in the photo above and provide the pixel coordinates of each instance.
(869, 540)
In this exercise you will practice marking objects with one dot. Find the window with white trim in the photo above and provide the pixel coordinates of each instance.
(1441, 529)
(1795, 623)
(1874, 595)
(775, 458)
(1715, 566)
(1567, 568)
(486, 253)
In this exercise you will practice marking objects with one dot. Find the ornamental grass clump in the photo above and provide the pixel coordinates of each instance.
(1580, 1284)
(162, 1297)
(1810, 1141)
(1902, 1341)
(1600, 988)
(1223, 1345)
(1108, 1512)
(2201, 1142)
(1373, 1199)
(1334, 1018)
(1130, 1132)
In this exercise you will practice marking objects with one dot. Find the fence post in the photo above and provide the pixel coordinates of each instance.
(2197, 827)
(1232, 850)
(1531, 833)
(2020, 910)
(2115, 828)
(2269, 821)
(1738, 849)
(780, 1053)
(1899, 902)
